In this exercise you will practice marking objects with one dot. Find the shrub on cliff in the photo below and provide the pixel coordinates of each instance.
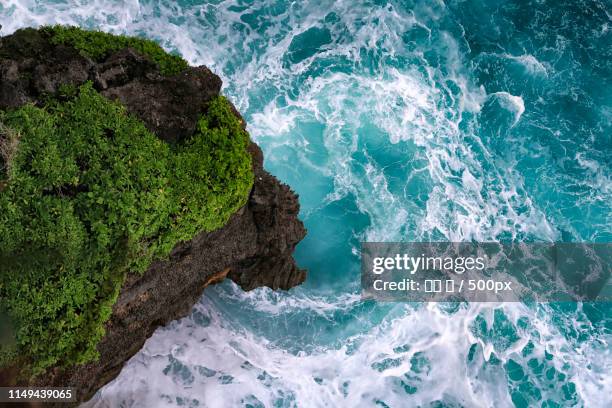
(90, 195)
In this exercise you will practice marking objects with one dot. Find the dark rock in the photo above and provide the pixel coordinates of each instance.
(169, 106)
(274, 207)
(254, 248)
(12, 86)
(31, 67)
(66, 66)
(26, 44)
(121, 67)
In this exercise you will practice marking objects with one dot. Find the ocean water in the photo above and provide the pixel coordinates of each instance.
(394, 121)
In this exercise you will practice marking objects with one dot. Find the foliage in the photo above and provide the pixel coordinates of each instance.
(91, 195)
(97, 45)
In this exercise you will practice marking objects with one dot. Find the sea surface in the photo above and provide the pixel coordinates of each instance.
(394, 121)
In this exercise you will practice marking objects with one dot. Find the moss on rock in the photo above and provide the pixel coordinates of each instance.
(90, 195)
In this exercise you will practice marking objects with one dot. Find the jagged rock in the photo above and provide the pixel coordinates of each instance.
(64, 66)
(169, 106)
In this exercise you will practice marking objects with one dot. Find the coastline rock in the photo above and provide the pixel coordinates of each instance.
(253, 249)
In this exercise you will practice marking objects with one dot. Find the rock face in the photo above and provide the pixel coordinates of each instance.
(253, 249)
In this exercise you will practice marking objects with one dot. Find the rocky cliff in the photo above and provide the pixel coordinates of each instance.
(253, 249)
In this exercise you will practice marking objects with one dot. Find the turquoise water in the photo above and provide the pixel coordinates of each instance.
(394, 121)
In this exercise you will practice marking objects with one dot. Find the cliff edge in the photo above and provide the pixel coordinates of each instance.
(254, 247)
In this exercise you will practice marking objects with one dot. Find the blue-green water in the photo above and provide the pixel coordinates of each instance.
(394, 121)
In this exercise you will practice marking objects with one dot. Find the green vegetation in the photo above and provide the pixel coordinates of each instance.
(98, 45)
(90, 194)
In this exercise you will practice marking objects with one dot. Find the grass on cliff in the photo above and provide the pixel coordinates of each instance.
(98, 45)
(90, 194)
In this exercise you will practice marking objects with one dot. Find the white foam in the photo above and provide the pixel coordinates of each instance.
(272, 121)
(421, 347)
(600, 180)
(531, 63)
(512, 103)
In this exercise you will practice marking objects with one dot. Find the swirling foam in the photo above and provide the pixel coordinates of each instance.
(381, 117)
